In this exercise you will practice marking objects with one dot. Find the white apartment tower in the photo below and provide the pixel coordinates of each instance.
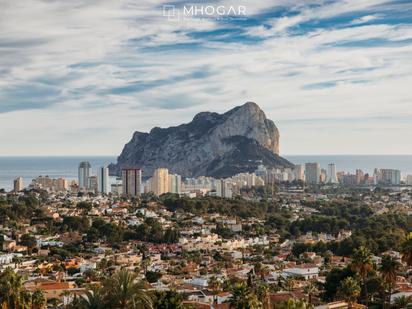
(331, 174)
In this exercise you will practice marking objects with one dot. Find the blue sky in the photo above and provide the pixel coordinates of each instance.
(79, 77)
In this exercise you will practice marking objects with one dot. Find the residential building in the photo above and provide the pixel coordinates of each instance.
(84, 174)
(175, 183)
(92, 183)
(387, 176)
(103, 180)
(223, 188)
(62, 184)
(349, 180)
(160, 181)
(360, 176)
(331, 174)
(18, 184)
(302, 271)
(312, 172)
(299, 172)
(132, 180)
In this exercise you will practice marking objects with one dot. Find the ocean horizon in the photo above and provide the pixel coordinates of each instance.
(30, 167)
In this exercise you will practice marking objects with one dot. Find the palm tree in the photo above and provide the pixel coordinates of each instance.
(168, 300)
(243, 298)
(12, 292)
(289, 284)
(349, 290)
(37, 300)
(264, 271)
(402, 302)
(17, 261)
(122, 292)
(215, 285)
(362, 264)
(406, 251)
(239, 295)
(146, 261)
(388, 269)
(263, 293)
(67, 297)
(92, 299)
(310, 289)
(295, 304)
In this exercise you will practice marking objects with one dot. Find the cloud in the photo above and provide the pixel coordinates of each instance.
(73, 67)
(364, 19)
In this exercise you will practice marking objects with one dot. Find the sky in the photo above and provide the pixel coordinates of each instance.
(79, 77)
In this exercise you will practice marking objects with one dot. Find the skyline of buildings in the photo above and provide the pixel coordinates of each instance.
(131, 183)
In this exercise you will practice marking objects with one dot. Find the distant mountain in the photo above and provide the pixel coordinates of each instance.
(218, 145)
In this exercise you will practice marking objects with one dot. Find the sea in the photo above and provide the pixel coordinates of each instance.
(55, 167)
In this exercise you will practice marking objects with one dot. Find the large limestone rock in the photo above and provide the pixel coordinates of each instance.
(212, 144)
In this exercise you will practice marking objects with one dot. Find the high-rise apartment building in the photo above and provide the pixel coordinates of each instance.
(132, 180)
(312, 172)
(84, 174)
(61, 184)
(331, 174)
(360, 176)
(299, 172)
(92, 183)
(323, 175)
(349, 180)
(18, 184)
(103, 180)
(223, 188)
(160, 181)
(387, 176)
(175, 183)
(390, 176)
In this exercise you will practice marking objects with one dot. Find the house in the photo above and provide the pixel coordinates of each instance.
(304, 271)
(50, 288)
(281, 297)
(340, 305)
(404, 292)
(202, 305)
(9, 245)
(8, 258)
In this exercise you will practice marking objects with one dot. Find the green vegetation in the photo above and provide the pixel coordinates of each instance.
(13, 295)
(202, 205)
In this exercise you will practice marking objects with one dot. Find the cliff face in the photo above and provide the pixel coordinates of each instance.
(212, 144)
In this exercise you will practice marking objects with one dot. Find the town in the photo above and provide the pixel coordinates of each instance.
(275, 238)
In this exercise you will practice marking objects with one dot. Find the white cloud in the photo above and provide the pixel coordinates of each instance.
(324, 98)
(364, 19)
